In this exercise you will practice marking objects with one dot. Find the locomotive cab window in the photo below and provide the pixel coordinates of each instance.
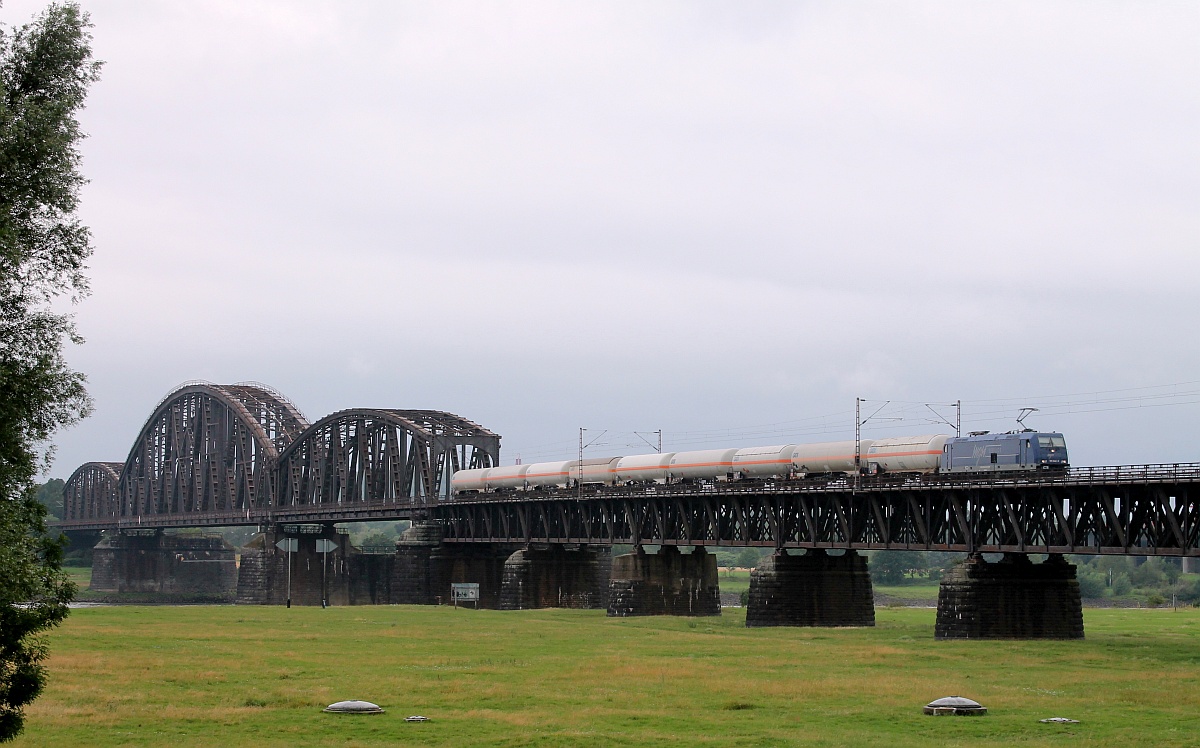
(994, 456)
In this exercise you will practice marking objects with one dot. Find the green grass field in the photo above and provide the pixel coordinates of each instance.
(80, 575)
(734, 581)
(241, 676)
(909, 591)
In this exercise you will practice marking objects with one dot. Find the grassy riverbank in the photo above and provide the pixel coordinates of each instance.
(191, 676)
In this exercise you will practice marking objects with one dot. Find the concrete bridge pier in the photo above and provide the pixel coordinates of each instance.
(815, 589)
(1011, 599)
(263, 574)
(665, 583)
(557, 576)
(181, 567)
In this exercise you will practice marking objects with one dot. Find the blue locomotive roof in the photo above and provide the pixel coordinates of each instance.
(1006, 435)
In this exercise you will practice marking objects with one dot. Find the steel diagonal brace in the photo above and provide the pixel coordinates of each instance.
(806, 513)
(1012, 517)
(1110, 510)
(1165, 511)
(881, 524)
(920, 519)
(964, 525)
(842, 519)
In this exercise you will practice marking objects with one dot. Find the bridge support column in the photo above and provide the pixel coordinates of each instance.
(201, 568)
(425, 567)
(815, 589)
(263, 574)
(556, 577)
(412, 578)
(666, 583)
(1010, 599)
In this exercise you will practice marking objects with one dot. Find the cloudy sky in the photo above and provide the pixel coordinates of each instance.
(722, 220)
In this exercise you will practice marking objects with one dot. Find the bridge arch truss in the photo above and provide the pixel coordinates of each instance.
(381, 458)
(91, 493)
(208, 448)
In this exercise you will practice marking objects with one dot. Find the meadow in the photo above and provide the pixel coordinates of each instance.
(226, 675)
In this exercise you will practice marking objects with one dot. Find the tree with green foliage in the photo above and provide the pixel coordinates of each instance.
(1121, 585)
(50, 495)
(1092, 583)
(46, 68)
(893, 567)
(748, 558)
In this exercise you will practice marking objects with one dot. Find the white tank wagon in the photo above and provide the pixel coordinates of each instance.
(474, 479)
(596, 470)
(654, 467)
(905, 454)
(509, 476)
(898, 454)
(764, 462)
(551, 473)
(828, 457)
(701, 464)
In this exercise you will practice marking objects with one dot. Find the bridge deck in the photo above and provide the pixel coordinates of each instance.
(1140, 510)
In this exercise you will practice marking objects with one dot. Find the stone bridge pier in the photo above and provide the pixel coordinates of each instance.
(185, 568)
(510, 577)
(665, 583)
(263, 574)
(557, 576)
(425, 567)
(814, 589)
(1013, 598)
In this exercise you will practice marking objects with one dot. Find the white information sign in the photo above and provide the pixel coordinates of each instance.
(464, 592)
(326, 546)
(288, 545)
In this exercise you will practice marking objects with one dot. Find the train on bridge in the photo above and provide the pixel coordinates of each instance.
(980, 452)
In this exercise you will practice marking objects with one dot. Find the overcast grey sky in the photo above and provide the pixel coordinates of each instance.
(715, 219)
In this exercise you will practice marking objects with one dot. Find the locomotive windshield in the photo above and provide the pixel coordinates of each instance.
(1051, 441)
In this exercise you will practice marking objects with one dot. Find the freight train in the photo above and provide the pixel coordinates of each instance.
(981, 452)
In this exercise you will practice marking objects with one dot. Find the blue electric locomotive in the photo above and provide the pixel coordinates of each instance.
(1019, 450)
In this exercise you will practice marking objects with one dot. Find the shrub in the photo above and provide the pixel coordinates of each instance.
(1091, 583)
(1121, 584)
(1148, 574)
(748, 558)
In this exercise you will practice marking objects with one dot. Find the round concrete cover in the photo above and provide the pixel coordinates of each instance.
(954, 705)
(958, 702)
(353, 707)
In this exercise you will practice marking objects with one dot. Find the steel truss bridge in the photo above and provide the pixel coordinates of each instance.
(220, 455)
(244, 454)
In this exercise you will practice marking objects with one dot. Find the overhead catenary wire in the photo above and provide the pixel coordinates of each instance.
(909, 415)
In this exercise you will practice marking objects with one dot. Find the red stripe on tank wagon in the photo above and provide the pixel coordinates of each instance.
(764, 462)
(684, 465)
(903, 454)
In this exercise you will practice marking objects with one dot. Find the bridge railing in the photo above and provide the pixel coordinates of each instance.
(1157, 473)
(1184, 472)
